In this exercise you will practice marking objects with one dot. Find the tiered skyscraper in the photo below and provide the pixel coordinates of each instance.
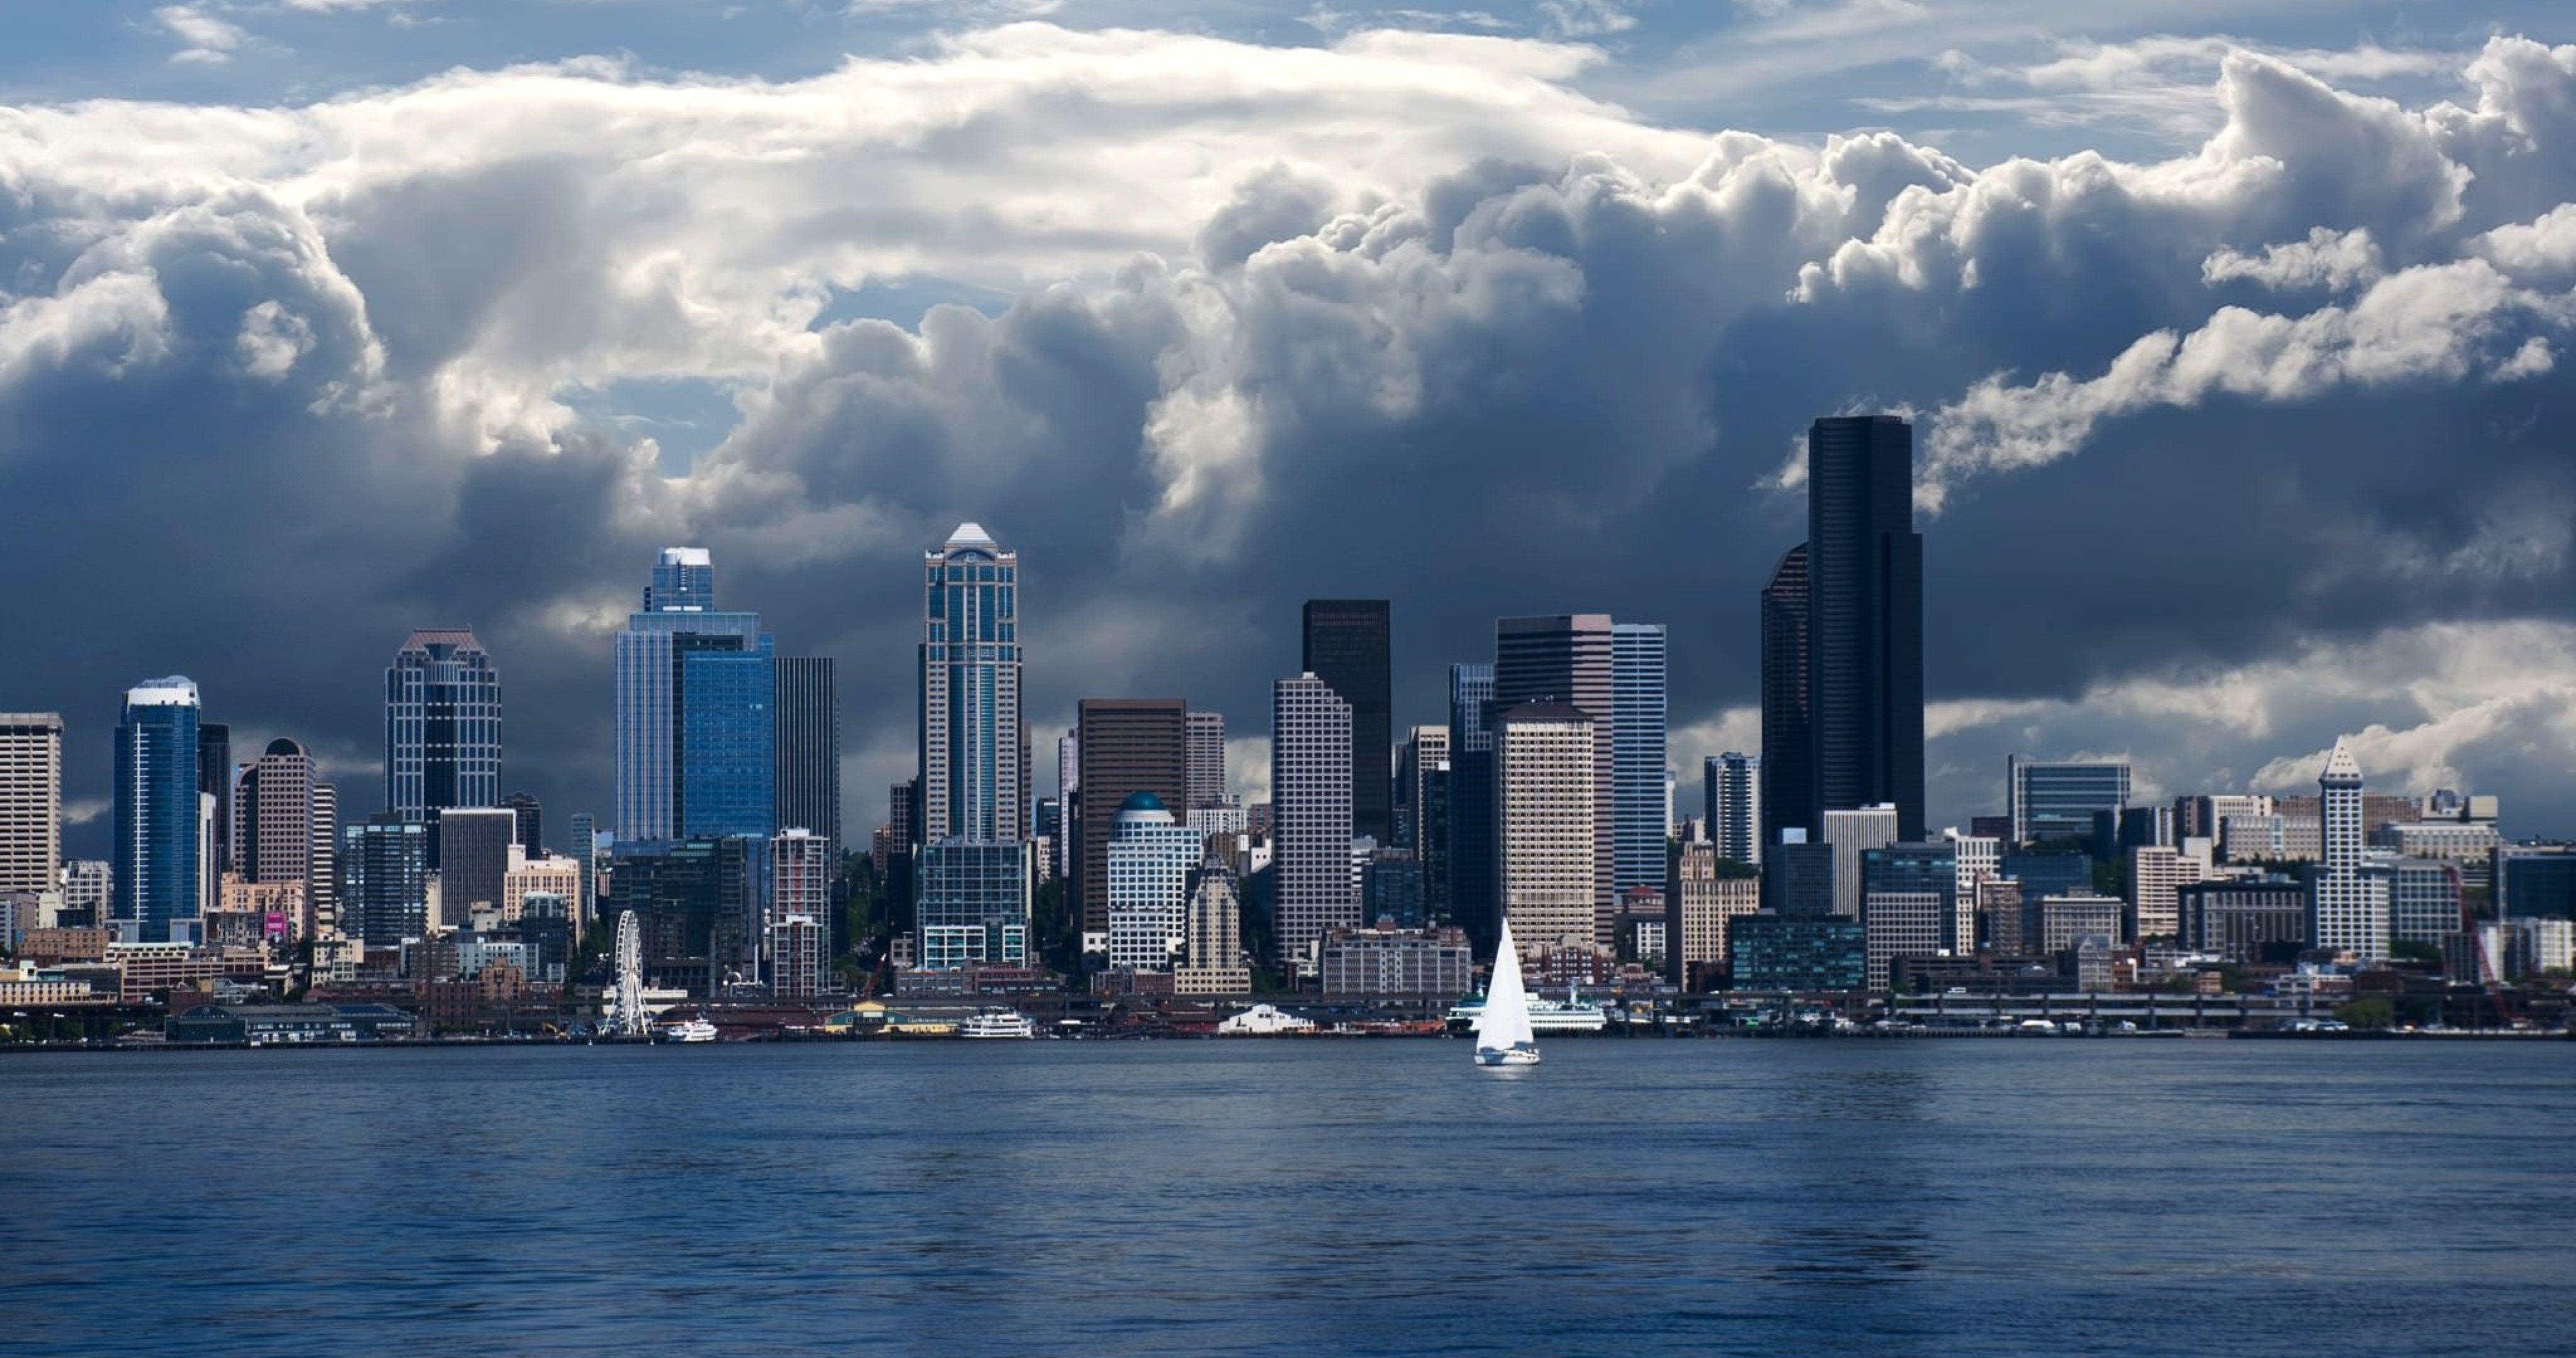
(696, 740)
(442, 727)
(154, 876)
(286, 826)
(1842, 636)
(974, 751)
(1347, 646)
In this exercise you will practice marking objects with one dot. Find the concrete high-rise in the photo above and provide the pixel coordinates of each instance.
(2347, 906)
(807, 710)
(31, 801)
(1206, 759)
(1640, 810)
(1850, 834)
(1470, 857)
(1731, 785)
(974, 755)
(1347, 646)
(797, 932)
(1125, 746)
(442, 727)
(695, 736)
(1567, 659)
(1860, 573)
(474, 860)
(1311, 793)
(1151, 855)
(154, 891)
(1546, 822)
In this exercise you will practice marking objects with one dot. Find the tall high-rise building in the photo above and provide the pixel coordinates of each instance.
(273, 815)
(2347, 907)
(1151, 854)
(808, 713)
(1426, 748)
(322, 883)
(1788, 729)
(585, 850)
(1470, 859)
(1850, 834)
(1206, 758)
(2157, 875)
(2058, 799)
(1311, 792)
(1347, 645)
(31, 801)
(215, 777)
(1640, 807)
(442, 727)
(974, 751)
(154, 891)
(1547, 811)
(797, 942)
(474, 859)
(1731, 784)
(1861, 573)
(1910, 906)
(1127, 745)
(530, 827)
(695, 736)
(1567, 659)
(387, 876)
(973, 904)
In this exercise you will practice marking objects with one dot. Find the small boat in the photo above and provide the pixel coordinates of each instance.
(1503, 1036)
(696, 1029)
(997, 1023)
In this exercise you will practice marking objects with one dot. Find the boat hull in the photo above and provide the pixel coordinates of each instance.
(1511, 1056)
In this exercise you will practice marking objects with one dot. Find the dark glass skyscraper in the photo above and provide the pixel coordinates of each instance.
(1126, 746)
(696, 745)
(1788, 773)
(808, 716)
(442, 727)
(387, 861)
(153, 883)
(1470, 860)
(1863, 638)
(1347, 646)
(215, 775)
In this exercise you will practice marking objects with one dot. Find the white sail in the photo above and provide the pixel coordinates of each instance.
(1505, 1020)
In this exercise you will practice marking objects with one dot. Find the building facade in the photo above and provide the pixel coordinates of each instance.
(695, 734)
(2057, 800)
(1546, 789)
(1469, 862)
(1347, 644)
(1788, 728)
(1640, 799)
(442, 727)
(1568, 659)
(1731, 787)
(806, 709)
(31, 801)
(974, 757)
(1311, 792)
(1204, 757)
(155, 891)
(386, 870)
(1125, 746)
(802, 866)
(1151, 856)
(1851, 833)
(2348, 907)
(973, 904)
(1864, 636)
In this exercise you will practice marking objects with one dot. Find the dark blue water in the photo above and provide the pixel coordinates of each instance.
(2014, 1197)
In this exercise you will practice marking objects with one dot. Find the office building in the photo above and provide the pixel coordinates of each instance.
(155, 895)
(585, 850)
(31, 801)
(1205, 758)
(798, 939)
(279, 833)
(2049, 874)
(1568, 659)
(1787, 773)
(1864, 625)
(2000, 918)
(1798, 877)
(1850, 834)
(697, 902)
(806, 711)
(543, 875)
(2062, 920)
(473, 861)
(1469, 890)
(529, 831)
(1347, 646)
(2423, 899)
(1426, 751)
(1731, 787)
(1980, 860)
(2245, 920)
(1546, 783)
(1311, 795)
(1151, 856)
(1702, 901)
(695, 735)
(1806, 955)
(1897, 924)
(1213, 960)
(215, 778)
(1374, 961)
(2057, 800)
(973, 905)
(2348, 907)
(442, 727)
(1126, 746)
(1640, 786)
(2535, 880)
(2200, 817)
(2156, 877)
(974, 758)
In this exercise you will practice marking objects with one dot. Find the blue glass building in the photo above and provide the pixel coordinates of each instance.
(696, 735)
(2058, 800)
(1638, 827)
(154, 890)
(974, 752)
(1787, 952)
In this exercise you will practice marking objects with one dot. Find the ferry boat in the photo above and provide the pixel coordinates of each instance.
(696, 1029)
(998, 1023)
(1568, 1015)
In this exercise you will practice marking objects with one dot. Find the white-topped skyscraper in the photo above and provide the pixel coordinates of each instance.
(696, 740)
(2347, 907)
(154, 887)
(974, 752)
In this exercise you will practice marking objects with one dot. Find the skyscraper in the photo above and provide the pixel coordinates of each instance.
(1126, 745)
(530, 831)
(442, 727)
(474, 858)
(1426, 749)
(215, 776)
(1732, 785)
(1311, 793)
(1546, 792)
(1861, 573)
(2057, 800)
(1151, 854)
(154, 892)
(797, 934)
(1206, 759)
(1567, 659)
(1347, 646)
(1470, 859)
(695, 735)
(1639, 810)
(2347, 906)
(1850, 834)
(388, 880)
(31, 801)
(1788, 768)
(807, 709)
(974, 752)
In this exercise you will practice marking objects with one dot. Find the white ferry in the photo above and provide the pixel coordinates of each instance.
(692, 1030)
(1568, 1015)
(998, 1023)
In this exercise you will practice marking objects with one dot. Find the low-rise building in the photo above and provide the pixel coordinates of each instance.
(1397, 962)
(287, 1024)
(1799, 953)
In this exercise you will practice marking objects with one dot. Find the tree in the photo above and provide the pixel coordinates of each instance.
(2370, 1012)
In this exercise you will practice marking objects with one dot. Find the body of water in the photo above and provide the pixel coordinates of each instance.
(1720, 1197)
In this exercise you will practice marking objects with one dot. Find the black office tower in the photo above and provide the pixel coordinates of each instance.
(1788, 778)
(1470, 857)
(1346, 647)
(807, 711)
(1864, 620)
(215, 775)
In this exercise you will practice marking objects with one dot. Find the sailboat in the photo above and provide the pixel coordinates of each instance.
(1503, 1026)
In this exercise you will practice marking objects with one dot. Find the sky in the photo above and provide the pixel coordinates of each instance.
(2235, 335)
